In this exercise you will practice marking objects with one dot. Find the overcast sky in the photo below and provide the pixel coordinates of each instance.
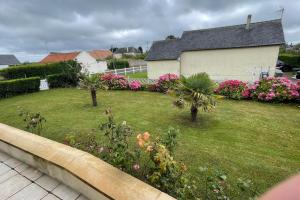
(32, 28)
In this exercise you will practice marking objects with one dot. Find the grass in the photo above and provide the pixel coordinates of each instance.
(138, 75)
(249, 139)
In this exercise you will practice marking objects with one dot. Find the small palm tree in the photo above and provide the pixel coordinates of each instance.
(92, 83)
(197, 92)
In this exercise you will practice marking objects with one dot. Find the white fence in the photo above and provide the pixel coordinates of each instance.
(130, 70)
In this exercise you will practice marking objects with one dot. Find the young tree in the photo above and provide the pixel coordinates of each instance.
(92, 83)
(195, 91)
(140, 49)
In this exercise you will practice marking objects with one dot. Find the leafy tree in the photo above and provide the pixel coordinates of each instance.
(170, 37)
(140, 49)
(195, 91)
(92, 83)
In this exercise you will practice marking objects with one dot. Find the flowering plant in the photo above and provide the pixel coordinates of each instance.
(114, 81)
(274, 89)
(135, 85)
(233, 89)
(167, 81)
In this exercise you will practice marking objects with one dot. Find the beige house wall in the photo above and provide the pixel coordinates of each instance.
(158, 68)
(241, 63)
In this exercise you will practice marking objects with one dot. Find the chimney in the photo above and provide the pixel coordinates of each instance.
(248, 22)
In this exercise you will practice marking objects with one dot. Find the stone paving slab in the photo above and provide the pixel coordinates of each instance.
(18, 181)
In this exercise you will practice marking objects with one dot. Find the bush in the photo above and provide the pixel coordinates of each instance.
(114, 81)
(61, 80)
(233, 89)
(290, 59)
(34, 70)
(274, 90)
(118, 64)
(167, 81)
(19, 86)
(135, 85)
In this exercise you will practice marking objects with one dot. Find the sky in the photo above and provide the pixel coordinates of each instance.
(32, 28)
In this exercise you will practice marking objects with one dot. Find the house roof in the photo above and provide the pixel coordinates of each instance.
(59, 57)
(100, 54)
(260, 34)
(127, 50)
(8, 60)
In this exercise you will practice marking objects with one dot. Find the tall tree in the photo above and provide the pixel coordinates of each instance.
(140, 49)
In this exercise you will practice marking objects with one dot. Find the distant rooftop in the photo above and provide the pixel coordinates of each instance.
(264, 33)
(59, 57)
(8, 60)
(100, 54)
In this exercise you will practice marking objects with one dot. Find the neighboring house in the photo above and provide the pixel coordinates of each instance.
(234, 52)
(7, 60)
(100, 54)
(126, 51)
(83, 57)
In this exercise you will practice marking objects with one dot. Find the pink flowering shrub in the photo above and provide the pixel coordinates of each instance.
(274, 90)
(114, 81)
(233, 89)
(167, 81)
(135, 85)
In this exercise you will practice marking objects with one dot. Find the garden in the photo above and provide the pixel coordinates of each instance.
(234, 139)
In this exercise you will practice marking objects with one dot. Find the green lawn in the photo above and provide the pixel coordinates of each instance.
(138, 75)
(249, 139)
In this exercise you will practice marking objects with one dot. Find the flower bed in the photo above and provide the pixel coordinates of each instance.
(268, 89)
(233, 89)
(114, 81)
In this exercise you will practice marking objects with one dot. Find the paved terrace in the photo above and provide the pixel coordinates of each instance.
(18, 181)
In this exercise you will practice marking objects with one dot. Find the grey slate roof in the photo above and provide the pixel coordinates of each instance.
(260, 34)
(127, 50)
(8, 60)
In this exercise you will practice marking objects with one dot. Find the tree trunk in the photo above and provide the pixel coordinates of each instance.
(94, 96)
(194, 112)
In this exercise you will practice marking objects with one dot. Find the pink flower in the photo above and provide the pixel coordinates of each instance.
(136, 167)
(135, 85)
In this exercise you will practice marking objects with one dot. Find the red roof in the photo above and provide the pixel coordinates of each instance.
(100, 54)
(58, 57)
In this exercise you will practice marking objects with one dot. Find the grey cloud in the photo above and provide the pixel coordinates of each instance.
(35, 27)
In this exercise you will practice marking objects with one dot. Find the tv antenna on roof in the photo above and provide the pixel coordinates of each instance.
(281, 11)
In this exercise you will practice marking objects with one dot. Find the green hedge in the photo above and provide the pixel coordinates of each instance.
(290, 59)
(33, 70)
(62, 80)
(19, 86)
(118, 64)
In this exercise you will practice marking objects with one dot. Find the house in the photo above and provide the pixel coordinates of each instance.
(132, 51)
(240, 52)
(100, 54)
(83, 57)
(7, 60)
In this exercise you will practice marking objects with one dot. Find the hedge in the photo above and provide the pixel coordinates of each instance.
(118, 64)
(19, 86)
(33, 70)
(62, 80)
(290, 59)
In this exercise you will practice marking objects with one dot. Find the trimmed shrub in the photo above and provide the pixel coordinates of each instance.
(61, 80)
(167, 81)
(114, 81)
(19, 86)
(118, 64)
(273, 89)
(135, 85)
(233, 89)
(290, 59)
(34, 70)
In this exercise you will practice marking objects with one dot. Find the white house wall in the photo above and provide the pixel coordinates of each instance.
(158, 68)
(90, 63)
(240, 63)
